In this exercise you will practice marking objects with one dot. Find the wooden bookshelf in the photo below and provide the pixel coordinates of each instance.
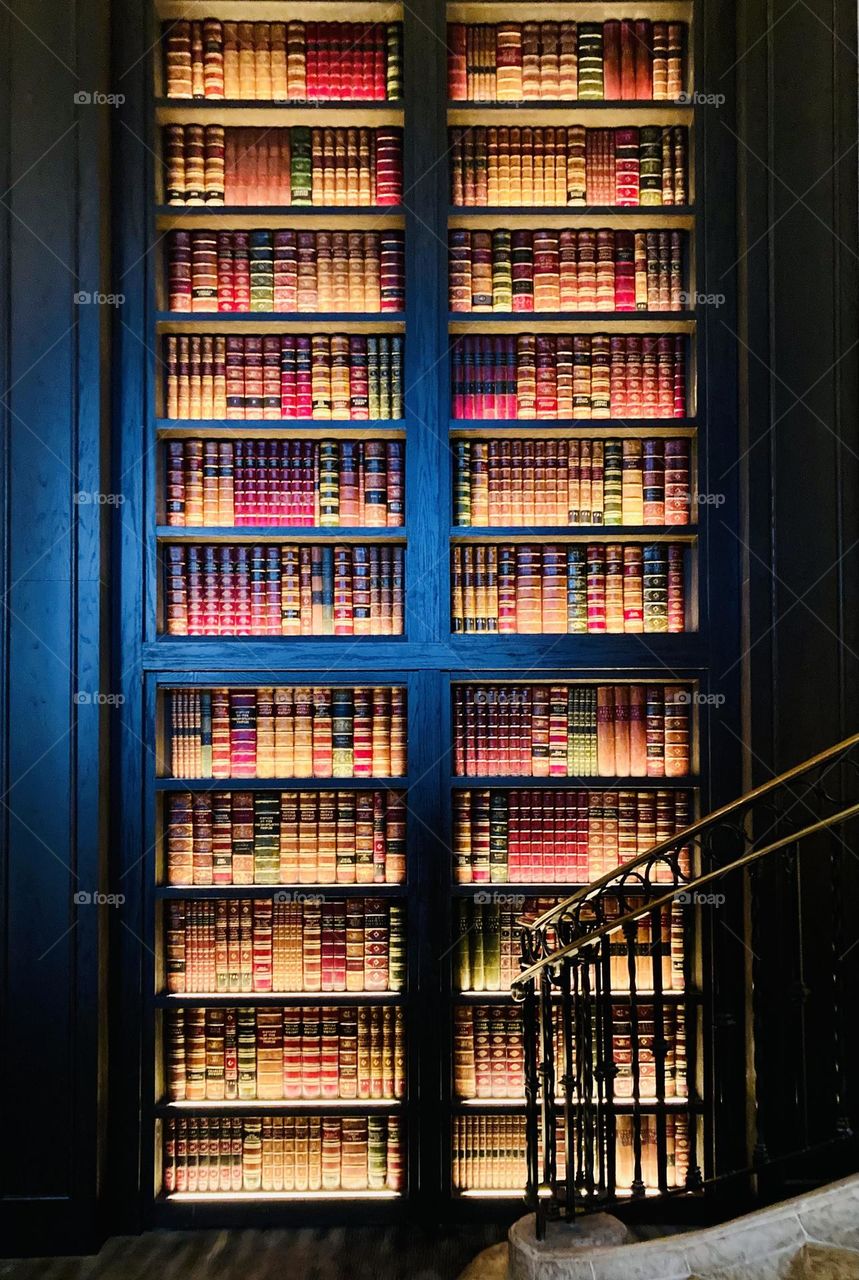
(428, 661)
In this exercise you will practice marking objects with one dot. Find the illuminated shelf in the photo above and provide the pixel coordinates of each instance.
(347, 115)
(287, 998)
(520, 782)
(277, 322)
(504, 996)
(564, 318)
(281, 428)
(553, 215)
(622, 1104)
(574, 428)
(513, 889)
(667, 322)
(283, 10)
(278, 784)
(252, 1197)
(297, 892)
(278, 217)
(600, 114)
(580, 10)
(278, 533)
(280, 1106)
(510, 1193)
(576, 533)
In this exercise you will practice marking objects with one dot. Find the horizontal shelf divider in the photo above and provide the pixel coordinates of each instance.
(185, 1198)
(598, 114)
(280, 1106)
(285, 428)
(280, 784)
(648, 1105)
(668, 322)
(278, 533)
(614, 319)
(278, 216)
(279, 323)
(619, 656)
(577, 211)
(576, 533)
(622, 997)
(282, 10)
(588, 782)
(264, 112)
(289, 998)
(603, 426)
(511, 889)
(295, 892)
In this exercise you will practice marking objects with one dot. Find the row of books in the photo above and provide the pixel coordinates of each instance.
(572, 730)
(551, 377)
(514, 482)
(525, 167)
(288, 271)
(246, 1054)
(288, 590)
(489, 1051)
(299, 1153)
(565, 270)
(214, 164)
(560, 837)
(288, 837)
(293, 731)
(243, 945)
(551, 589)
(486, 954)
(489, 1151)
(620, 60)
(283, 61)
(292, 483)
(322, 376)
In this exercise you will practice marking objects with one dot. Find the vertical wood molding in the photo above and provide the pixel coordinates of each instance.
(55, 711)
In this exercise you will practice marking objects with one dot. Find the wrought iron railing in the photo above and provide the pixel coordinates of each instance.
(625, 1039)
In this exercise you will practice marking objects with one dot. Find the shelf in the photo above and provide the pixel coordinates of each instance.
(510, 889)
(347, 115)
(577, 533)
(568, 322)
(280, 1106)
(288, 998)
(252, 1197)
(589, 782)
(578, 10)
(170, 217)
(561, 319)
(279, 784)
(578, 428)
(600, 115)
(296, 891)
(283, 10)
(563, 216)
(279, 428)
(268, 322)
(504, 997)
(646, 1105)
(278, 533)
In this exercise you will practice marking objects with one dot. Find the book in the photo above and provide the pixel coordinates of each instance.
(272, 377)
(224, 589)
(514, 481)
(555, 588)
(306, 483)
(572, 167)
(569, 837)
(282, 165)
(283, 61)
(293, 942)
(299, 1153)
(548, 377)
(556, 270)
(290, 271)
(290, 731)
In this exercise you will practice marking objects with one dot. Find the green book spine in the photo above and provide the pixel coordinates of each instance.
(266, 838)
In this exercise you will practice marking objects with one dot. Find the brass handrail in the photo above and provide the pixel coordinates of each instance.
(688, 833)
(689, 887)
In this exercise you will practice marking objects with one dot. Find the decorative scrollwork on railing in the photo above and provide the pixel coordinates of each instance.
(612, 1002)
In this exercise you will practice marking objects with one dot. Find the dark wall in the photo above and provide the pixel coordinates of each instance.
(52, 154)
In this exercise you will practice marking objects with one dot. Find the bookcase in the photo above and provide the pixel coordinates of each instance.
(417, 573)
